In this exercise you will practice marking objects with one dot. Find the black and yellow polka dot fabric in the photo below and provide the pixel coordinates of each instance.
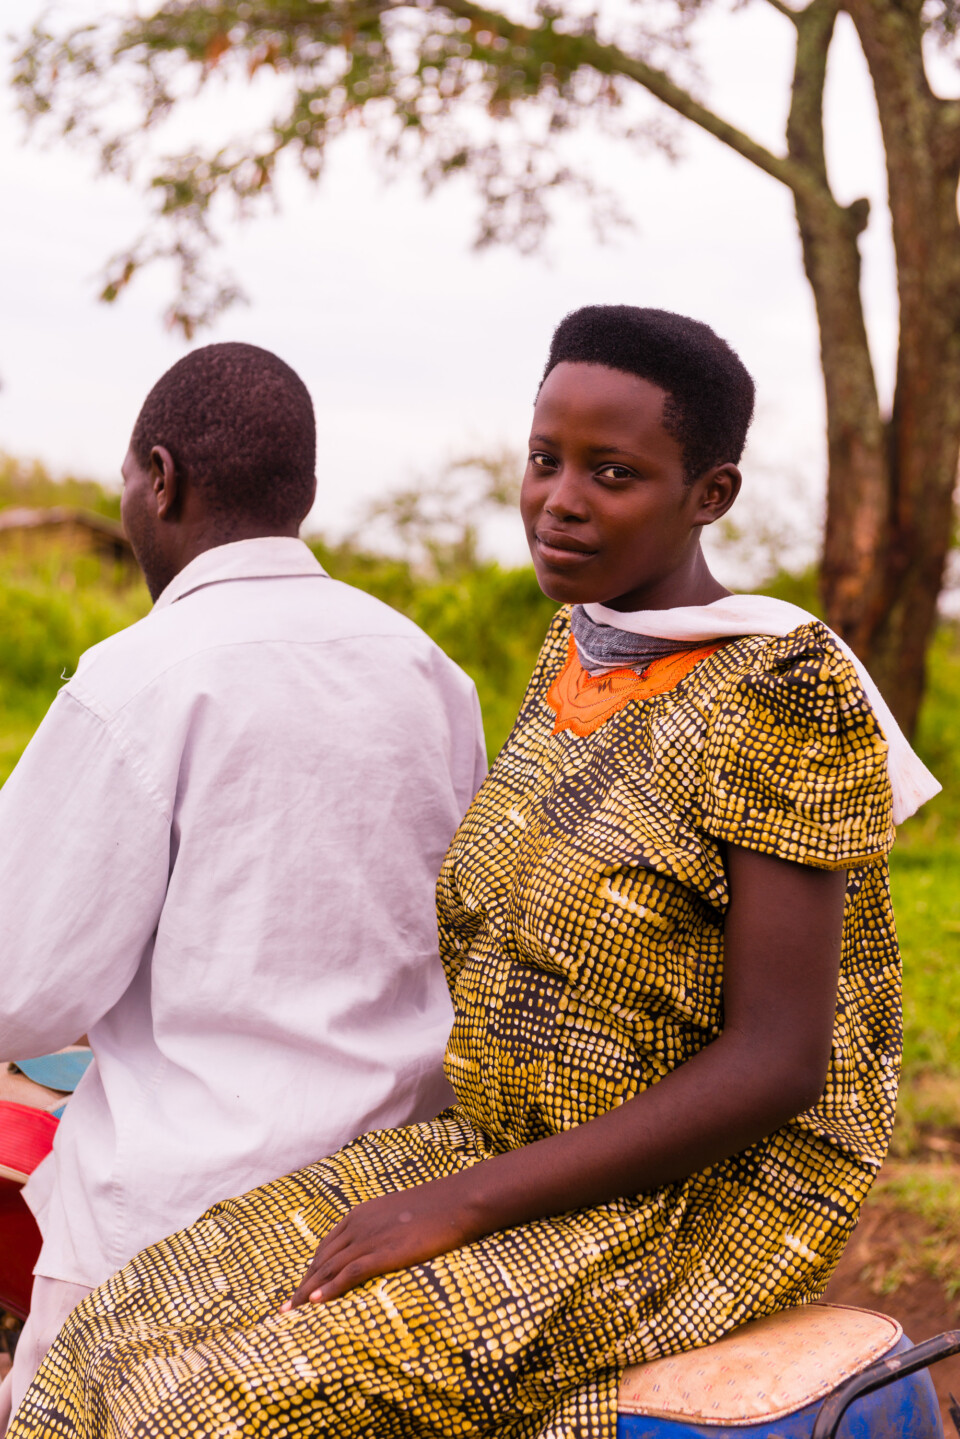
(581, 911)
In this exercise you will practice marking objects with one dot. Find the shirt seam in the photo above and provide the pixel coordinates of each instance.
(318, 574)
(76, 682)
(114, 731)
(245, 566)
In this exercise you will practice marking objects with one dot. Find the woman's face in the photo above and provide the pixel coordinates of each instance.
(610, 515)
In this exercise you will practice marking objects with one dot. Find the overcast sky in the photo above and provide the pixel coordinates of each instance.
(415, 347)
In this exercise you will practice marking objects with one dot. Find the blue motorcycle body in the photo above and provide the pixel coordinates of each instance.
(904, 1409)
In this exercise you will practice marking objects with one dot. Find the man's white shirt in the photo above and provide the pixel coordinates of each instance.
(217, 858)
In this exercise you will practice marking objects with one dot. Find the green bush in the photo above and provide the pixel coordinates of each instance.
(491, 621)
(43, 632)
(32, 486)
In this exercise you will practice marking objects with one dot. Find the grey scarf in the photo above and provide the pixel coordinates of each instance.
(602, 648)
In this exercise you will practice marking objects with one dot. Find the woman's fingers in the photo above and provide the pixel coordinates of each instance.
(325, 1265)
(319, 1281)
(357, 1271)
(330, 1243)
(327, 1250)
(301, 1294)
(332, 1254)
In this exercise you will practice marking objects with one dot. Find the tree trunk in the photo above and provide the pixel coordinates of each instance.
(922, 141)
(858, 486)
(890, 484)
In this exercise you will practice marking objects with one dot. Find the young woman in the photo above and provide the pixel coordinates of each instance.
(666, 927)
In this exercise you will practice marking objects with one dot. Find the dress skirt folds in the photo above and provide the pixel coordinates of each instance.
(581, 910)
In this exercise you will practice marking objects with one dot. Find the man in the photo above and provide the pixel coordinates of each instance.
(217, 855)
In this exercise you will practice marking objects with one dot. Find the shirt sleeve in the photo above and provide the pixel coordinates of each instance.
(795, 764)
(84, 864)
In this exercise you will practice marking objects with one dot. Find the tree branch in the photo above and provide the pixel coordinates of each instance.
(815, 26)
(609, 59)
(949, 131)
(408, 63)
(785, 10)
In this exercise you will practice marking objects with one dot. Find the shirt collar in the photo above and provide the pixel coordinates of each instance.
(269, 557)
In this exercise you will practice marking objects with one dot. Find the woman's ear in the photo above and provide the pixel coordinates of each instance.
(718, 488)
(163, 479)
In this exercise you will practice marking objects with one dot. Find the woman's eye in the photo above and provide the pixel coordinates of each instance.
(542, 461)
(615, 472)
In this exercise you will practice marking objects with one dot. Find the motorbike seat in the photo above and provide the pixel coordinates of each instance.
(768, 1379)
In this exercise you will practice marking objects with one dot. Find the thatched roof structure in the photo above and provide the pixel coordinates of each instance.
(80, 529)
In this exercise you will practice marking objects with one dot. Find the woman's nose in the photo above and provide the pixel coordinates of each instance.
(566, 500)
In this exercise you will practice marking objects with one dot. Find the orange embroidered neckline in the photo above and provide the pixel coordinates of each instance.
(583, 702)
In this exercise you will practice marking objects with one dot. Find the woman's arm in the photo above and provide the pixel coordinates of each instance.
(781, 962)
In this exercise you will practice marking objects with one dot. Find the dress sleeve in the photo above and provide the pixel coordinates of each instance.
(795, 764)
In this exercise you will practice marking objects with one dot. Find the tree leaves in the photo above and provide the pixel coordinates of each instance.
(449, 91)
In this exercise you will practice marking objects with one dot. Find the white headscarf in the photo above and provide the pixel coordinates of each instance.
(910, 780)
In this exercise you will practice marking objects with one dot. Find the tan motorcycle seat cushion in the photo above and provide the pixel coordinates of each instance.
(762, 1371)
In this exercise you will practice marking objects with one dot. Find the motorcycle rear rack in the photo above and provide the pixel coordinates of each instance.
(883, 1372)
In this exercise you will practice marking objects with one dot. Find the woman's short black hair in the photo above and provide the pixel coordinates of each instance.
(710, 395)
(239, 424)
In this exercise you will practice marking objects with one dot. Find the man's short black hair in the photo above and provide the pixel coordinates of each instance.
(710, 395)
(239, 424)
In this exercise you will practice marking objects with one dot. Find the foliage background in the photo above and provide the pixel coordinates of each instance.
(491, 620)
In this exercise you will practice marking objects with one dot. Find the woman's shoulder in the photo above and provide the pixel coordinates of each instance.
(805, 672)
(805, 677)
(808, 641)
(795, 761)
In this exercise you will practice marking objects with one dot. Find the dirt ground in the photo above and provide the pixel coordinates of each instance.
(872, 1259)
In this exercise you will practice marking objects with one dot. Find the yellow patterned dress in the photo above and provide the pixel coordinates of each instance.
(581, 911)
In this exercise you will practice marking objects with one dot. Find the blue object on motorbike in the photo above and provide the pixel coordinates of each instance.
(888, 1373)
(906, 1408)
(62, 1071)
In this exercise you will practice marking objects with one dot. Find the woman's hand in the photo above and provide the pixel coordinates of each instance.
(782, 938)
(392, 1232)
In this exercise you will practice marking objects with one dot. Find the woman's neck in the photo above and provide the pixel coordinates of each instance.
(692, 585)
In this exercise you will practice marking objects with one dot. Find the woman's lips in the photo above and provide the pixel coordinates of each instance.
(562, 550)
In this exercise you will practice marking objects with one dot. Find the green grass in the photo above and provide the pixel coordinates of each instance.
(44, 628)
(925, 879)
(925, 867)
(928, 1116)
(926, 897)
(50, 612)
